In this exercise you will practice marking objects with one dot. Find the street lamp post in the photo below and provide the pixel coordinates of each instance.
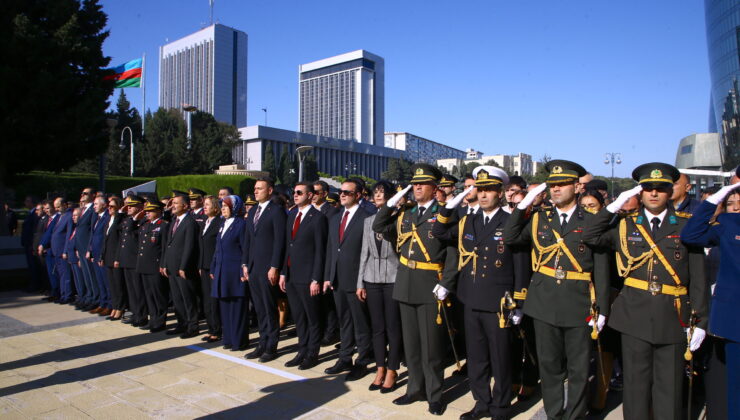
(190, 109)
(612, 158)
(122, 145)
(301, 151)
(349, 166)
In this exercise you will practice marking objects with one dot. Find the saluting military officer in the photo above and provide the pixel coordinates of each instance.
(664, 285)
(570, 285)
(424, 262)
(126, 259)
(446, 189)
(196, 205)
(156, 288)
(491, 274)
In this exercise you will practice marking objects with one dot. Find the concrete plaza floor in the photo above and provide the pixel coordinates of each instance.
(57, 362)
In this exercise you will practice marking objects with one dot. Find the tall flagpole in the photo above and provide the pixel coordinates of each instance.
(143, 94)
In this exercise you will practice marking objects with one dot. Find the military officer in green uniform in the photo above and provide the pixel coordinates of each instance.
(569, 287)
(424, 262)
(446, 189)
(662, 310)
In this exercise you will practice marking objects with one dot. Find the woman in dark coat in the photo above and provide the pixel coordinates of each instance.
(228, 286)
(207, 248)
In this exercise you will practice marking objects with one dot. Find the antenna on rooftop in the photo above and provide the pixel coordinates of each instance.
(210, 2)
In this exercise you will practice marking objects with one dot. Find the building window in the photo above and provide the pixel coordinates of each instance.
(685, 150)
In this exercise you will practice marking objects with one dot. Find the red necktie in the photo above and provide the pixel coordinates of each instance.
(174, 228)
(296, 224)
(343, 225)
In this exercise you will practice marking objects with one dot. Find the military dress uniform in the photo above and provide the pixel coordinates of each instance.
(490, 274)
(424, 262)
(664, 284)
(126, 256)
(156, 288)
(570, 282)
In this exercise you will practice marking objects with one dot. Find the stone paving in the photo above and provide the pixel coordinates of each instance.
(56, 362)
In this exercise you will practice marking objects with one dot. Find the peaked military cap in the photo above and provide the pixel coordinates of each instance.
(178, 193)
(447, 181)
(424, 172)
(195, 193)
(332, 198)
(133, 200)
(486, 176)
(656, 173)
(153, 205)
(562, 171)
(249, 200)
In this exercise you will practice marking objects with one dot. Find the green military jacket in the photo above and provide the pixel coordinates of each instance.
(416, 244)
(655, 317)
(565, 302)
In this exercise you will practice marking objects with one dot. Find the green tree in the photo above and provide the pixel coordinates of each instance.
(394, 171)
(310, 168)
(268, 163)
(212, 143)
(163, 143)
(288, 168)
(53, 96)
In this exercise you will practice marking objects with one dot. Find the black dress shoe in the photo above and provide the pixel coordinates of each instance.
(240, 348)
(294, 361)
(210, 339)
(255, 353)
(339, 367)
(328, 341)
(130, 321)
(475, 414)
(357, 372)
(374, 387)
(436, 408)
(226, 347)
(309, 362)
(176, 331)
(189, 334)
(268, 356)
(407, 399)
(384, 390)
(157, 329)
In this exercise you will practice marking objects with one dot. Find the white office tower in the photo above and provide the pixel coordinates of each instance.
(208, 70)
(343, 97)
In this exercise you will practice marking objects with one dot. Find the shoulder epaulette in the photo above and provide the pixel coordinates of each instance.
(632, 214)
(683, 214)
(715, 223)
(442, 203)
(544, 208)
(589, 210)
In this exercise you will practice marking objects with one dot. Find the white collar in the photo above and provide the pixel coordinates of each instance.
(262, 206)
(491, 213)
(474, 208)
(569, 212)
(303, 211)
(660, 216)
(426, 205)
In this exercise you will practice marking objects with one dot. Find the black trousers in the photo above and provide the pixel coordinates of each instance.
(423, 343)
(563, 353)
(354, 327)
(156, 290)
(137, 299)
(385, 320)
(263, 297)
(715, 378)
(524, 372)
(329, 320)
(305, 310)
(184, 297)
(117, 288)
(653, 378)
(210, 304)
(235, 318)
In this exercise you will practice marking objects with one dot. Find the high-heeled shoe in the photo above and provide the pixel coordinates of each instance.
(389, 374)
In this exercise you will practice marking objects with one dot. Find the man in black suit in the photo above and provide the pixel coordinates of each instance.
(364, 193)
(340, 275)
(42, 220)
(303, 271)
(329, 322)
(125, 259)
(179, 265)
(150, 240)
(263, 256)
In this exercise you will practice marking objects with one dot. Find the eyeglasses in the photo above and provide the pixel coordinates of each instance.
(347, 192)
(86, 193)
(298, 192)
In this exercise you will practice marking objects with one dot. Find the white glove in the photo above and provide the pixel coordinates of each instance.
(459, 198)
(531, 196)
(440, 292)
(696, 339)
(723, 192)
(599, 323)
(399, 195)
(623, 197)
(516, 316)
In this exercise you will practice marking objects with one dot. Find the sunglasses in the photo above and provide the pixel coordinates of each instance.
(85, 193)
(347, 192)
(650, 188)
(298, 192)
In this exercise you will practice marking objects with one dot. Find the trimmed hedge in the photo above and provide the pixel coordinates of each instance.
(69, 185)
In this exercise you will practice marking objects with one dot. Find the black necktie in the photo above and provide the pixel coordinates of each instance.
(486, 220)
(421, 213)
(564, 222)
(471, 210)
(655, 222)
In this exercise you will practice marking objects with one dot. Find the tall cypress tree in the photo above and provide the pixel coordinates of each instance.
(268, 163)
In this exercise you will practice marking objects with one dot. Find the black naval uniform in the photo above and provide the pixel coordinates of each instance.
(488, 270)
(126, 257)
(424, 262)
(156, 288)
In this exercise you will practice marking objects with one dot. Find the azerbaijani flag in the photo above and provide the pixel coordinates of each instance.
(127, 75)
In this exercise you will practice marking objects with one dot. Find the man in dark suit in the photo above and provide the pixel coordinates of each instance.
(489, 272)
(42, 220)
(59, 236)
(263, 256)
(82, 240)
(95, 255)
(303, 272)
(126, 254)
(329, 322)
(150, 240)
(364, 193)
(340, 275)
(179, 264)
(44, 249)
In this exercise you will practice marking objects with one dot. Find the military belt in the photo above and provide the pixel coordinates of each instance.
(655, 288)
(419, 265)
(569, 275)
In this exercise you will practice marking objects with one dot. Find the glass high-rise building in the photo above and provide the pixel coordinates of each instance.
(723, 38)
(208, 70)
(343, 97)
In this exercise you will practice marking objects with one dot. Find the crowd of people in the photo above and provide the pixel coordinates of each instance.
(529, 285)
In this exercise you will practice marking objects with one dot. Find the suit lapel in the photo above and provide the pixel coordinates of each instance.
(350, 225)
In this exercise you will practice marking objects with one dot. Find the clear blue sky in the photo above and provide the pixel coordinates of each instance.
(573, 79)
